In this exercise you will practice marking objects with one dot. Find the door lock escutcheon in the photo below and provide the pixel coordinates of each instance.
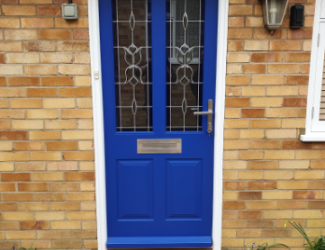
(209, 113)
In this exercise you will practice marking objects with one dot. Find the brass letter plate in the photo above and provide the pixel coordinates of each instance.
(159, 146)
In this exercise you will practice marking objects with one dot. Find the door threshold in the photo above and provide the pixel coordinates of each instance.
(160, 242)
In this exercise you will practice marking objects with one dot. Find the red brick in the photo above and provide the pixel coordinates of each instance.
(81, 176)
(15, 177)
(13, 135)
(34, 225)
(250, 196)
(245, 113)
(233, 205)
(294, 102)
(263, 185)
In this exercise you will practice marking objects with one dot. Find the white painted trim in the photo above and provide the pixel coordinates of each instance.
(219, 122)
(98, 114)
(99, 123)
(311, 135)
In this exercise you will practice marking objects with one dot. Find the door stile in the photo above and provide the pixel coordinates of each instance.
(158, 19)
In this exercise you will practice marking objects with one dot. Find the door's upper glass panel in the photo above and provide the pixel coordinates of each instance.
(185, 51)
(132, 52)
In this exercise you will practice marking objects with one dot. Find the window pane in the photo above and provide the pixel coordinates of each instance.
(185, 51)
(132, 52)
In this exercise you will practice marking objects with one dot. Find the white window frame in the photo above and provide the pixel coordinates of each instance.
(315, 129)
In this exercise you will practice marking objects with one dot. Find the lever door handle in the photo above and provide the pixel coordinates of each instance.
(209, 113)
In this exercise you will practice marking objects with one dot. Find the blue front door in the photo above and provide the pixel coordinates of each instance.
(158, 69)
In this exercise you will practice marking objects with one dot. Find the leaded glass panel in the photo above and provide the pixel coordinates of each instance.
(132, 52)
(185, 51)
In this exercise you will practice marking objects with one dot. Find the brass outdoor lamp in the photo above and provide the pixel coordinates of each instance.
(273, 13)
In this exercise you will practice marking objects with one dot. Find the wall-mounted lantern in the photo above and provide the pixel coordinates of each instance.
(273, 13)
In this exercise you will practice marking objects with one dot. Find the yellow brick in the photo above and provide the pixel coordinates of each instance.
(251, 155)
(238, 57)
(82, 81)
(24, 124)
(88, 206)
(279, 154)
(310, 154)
(48, 176)
(256, 45)
(44, 135)
(230, 195)
(42, 114)
(294, 164)
(84, 103)
(86, 225)
(269, 123)
(316, 223)
(11, 23)
(76, 113)
(85, 124)
(74, 69)
(250, 175)
(278, 175)
(87, 166)
(293, 123)
(22, 58)
(20, 34)
(59, 103)
(6, 166)
(77, 135)
(5, 146)
(253, 91)
(310, 232)
(40, 69)
(17, 216)
(33, 206)
(252, 134)
(232, 242)
(52, 124)
(27, 103)
(235, 144)
(307, 214)
(281, 91)
(56, 57)
(261, 205)
(14, 156)
(65, 225)
(11, 69)
(236, 123)
(292, 242)
(284, 112)
(267, 80)
(50, 215)
(309, 175)
(12, 92)
(281, 133)
(292, 184)
(232, 113)
(231, 134)
(258, 241)
(234, 69)
(276, 195)
(277, 214)
(234, 165)
(82, 58)
(20, 235)
(228, 233)
(86, 145)
(230, 155)
(81, 215)
(266, 102)
(87, 186)
(10, 46)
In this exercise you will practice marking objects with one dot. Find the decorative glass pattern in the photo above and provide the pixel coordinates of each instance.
(132, 51)
(185, 26)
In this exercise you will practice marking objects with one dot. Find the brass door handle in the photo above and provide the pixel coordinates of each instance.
(209, 113)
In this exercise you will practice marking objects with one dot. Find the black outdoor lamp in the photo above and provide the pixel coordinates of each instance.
(273, 13)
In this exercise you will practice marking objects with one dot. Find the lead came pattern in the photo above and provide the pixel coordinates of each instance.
(132, 65)
(184, 81)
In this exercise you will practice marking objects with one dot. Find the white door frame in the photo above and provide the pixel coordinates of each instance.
(97, 98)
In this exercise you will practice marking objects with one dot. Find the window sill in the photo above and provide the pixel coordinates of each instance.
(313, 137)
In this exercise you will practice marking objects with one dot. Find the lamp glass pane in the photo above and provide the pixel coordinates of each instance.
(276, 9)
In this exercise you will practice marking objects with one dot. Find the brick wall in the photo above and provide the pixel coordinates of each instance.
(46, 139)
(269, 175)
